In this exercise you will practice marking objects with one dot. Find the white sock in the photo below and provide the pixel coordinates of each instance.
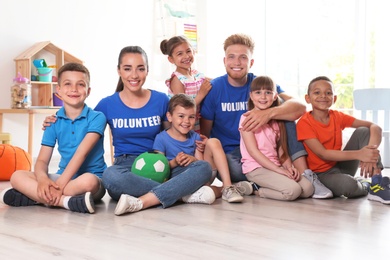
(66, 201)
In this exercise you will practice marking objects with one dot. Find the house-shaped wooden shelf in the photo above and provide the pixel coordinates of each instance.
(42, 92)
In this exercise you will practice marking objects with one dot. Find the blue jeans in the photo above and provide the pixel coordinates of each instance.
(295, 150)
(118, 179)
(295, 147)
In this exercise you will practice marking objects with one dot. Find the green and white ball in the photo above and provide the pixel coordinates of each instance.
(151, 165)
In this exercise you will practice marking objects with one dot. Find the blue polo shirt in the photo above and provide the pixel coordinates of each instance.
(68, 134)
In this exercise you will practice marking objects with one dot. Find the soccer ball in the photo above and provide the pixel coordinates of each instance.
(152, 165)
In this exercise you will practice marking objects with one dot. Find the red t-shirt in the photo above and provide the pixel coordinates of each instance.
(330, 136)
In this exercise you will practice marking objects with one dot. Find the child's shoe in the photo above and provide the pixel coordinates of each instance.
(320, 190)
(244, 187)
(15, 198)
(205, 195)
(231, 194)
(380, 193)
(364, 182)
(128, 204)
(82, 203)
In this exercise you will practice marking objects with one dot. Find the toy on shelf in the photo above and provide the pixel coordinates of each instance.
(43, 86)
(44, 72)
(21, 92)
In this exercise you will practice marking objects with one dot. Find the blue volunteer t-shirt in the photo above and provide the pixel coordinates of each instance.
(224, 105)
(134, 129)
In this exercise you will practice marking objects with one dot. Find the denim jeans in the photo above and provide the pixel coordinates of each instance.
(118, 179)
(295, 147)
(295, 150)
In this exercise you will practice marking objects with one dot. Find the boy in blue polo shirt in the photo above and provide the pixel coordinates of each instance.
(78, 132)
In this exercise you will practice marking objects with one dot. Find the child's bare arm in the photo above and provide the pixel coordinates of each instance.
(291, 172)
(375, 131)
(256, 154)
(176, 86)
(367, 169)
(41, 169)
(203, 91)
(290, 110)
(78, 158)
(198, 155)
(366, 154)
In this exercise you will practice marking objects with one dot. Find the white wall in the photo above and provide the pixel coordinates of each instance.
(94, 31)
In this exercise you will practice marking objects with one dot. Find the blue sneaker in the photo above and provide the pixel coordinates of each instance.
(366, 184)
(380, 193)
(12, 197)
(82, 203)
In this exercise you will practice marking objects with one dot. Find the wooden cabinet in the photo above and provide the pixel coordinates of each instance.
(42, 92)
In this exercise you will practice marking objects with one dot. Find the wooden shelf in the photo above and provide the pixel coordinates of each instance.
(42, 92)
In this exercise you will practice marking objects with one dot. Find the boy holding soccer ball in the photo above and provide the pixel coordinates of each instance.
(178, 143)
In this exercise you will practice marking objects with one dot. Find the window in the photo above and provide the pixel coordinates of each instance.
(299, 40)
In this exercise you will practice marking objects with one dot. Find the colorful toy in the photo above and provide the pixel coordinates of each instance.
(21, 92)
(13, 158)
(151, 165)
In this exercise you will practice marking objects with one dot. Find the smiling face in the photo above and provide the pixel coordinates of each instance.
(238, 60)
(263, 98)
(73, 88)
(182, 120)
(321, 95)
(133, 71)
(182, 56)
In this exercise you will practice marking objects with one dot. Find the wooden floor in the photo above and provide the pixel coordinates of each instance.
(255, 229)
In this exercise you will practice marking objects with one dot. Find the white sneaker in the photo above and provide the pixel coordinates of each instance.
(244, 187)
(205, 195)
(320, 190)
(231, 194)
(128, 204)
